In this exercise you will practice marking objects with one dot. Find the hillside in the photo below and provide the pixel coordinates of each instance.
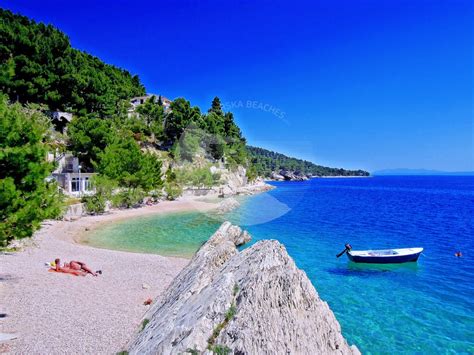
(266, 162)
(38, 64)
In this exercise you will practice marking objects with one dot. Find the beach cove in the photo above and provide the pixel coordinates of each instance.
(57, 313)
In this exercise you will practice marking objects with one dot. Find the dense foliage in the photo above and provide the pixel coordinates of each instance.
(215, 133)
(38, 64)
(123, 161)
(97, 203)
(88, 137)
(26, 198)
(201, 177)
(151, 116)
(266, 162)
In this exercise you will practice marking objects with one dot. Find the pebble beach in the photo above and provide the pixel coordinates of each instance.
(55, 313)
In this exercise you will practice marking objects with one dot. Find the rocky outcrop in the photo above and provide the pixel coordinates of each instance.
(255, 187)
(288, 175)
(293, 175)
(277, 177)
(251, 302)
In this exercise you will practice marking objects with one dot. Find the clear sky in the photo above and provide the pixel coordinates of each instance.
(357, 83)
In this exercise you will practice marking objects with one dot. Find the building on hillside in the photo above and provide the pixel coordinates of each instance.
(139, 100)
(70, 175)
(60, 120)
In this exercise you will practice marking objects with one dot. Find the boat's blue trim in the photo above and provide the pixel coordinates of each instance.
(395, 259)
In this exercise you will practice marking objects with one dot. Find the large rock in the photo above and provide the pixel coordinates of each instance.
(293, 175)
(277, 177)
(251, 302)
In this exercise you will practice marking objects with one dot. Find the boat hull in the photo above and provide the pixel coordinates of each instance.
(395, 259)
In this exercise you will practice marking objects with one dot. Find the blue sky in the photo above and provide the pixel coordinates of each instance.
(356, 84)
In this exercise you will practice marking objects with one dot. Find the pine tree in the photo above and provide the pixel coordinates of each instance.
(26, 197)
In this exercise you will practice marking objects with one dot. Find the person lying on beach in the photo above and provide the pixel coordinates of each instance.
(77, 268)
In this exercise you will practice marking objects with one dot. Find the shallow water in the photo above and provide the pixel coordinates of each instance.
(426, 307)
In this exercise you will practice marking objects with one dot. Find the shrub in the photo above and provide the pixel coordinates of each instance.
(251, 173)
(230, 313)
(172, 190)
(199, 177)
(220, 349)
(235, 290)
(128, 198)
(192, 351)
(145, 323)
(97, 203)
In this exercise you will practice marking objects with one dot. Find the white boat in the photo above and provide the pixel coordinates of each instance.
(386, 256)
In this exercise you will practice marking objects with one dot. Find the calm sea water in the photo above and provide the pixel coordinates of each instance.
(426, 307)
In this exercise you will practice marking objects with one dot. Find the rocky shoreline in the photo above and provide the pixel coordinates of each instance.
(250, 302)
(287, 175)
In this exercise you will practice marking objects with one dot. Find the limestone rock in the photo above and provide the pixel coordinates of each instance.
(293, 175)
(252, 302)
(277, 177)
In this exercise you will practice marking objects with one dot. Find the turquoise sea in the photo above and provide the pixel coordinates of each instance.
(425, 308)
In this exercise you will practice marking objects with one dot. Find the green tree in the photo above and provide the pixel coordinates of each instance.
(7, 73)
(216, 107)
(123, 161)
(172, 189)
(120, 160)
(180, 116)
(190, 144)
(88, 137)
(149, 175)
(26, 197)
(153, 113)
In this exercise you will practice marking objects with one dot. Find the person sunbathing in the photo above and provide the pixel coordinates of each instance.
(77, 268)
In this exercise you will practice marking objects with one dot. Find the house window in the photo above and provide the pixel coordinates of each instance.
(75, 185)
(87, 184)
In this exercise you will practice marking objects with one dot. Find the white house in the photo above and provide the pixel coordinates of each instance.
(139, 100)
(70, 176)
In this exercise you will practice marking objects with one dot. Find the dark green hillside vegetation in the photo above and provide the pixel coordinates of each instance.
(189, 131)
(26, 197)
(266, 162)
(38, 64)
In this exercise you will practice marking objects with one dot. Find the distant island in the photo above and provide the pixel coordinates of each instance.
(403, 171)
